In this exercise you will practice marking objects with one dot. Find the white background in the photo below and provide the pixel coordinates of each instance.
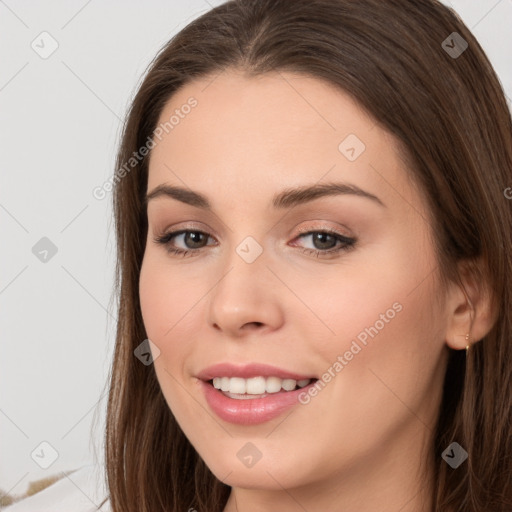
(60, 121)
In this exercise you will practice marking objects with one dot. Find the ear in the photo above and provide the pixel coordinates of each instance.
(469, 306)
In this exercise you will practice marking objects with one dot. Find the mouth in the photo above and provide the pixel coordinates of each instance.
(252, 393)
(239, 388)
(253, 407)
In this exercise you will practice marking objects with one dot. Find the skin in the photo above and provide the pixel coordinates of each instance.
(361, 443)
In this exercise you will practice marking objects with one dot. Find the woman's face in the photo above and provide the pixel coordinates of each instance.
(339, 287)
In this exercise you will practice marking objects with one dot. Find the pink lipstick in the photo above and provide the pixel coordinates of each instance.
(252, 394)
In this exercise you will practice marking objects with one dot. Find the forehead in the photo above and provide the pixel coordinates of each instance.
(280, 129)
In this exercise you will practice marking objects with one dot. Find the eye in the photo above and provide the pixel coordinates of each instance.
(326, 242)
(190, 237)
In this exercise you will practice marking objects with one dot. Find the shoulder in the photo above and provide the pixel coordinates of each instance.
(81, 491)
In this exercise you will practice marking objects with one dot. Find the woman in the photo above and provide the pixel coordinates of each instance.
(314, 239)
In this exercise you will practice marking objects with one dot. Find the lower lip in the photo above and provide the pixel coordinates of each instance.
(251, 411)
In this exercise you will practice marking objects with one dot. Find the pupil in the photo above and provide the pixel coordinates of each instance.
(191, 236)
(319, 237)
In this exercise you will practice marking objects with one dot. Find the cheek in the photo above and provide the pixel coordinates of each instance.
(172, 306)
(164, 306)
(394, 325)
(380, 297)
(385, 323)
(165, 300)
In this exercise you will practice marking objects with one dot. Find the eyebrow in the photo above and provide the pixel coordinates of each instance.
(285, 199)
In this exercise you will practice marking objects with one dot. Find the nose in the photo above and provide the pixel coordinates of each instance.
(247, 298)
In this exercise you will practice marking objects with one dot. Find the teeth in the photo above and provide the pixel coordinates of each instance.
(257, 385)
(289, 384)
(237, 385)
(224, 384)
(273, 384)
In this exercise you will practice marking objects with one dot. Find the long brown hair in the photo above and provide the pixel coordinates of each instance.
(449, 114)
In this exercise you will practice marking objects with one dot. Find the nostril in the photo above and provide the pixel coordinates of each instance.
(255, 324)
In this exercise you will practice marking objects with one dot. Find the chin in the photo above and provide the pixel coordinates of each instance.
(268, 473)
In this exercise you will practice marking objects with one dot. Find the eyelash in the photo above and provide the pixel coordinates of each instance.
(347, 243)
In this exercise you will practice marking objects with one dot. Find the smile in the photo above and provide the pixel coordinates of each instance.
(253, 393)
(240, 388)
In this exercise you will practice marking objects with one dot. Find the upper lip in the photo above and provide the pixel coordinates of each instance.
(247, 371)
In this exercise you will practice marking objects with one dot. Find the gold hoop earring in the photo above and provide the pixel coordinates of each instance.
(467, 346)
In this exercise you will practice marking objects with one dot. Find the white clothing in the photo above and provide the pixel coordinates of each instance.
(80, 491)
